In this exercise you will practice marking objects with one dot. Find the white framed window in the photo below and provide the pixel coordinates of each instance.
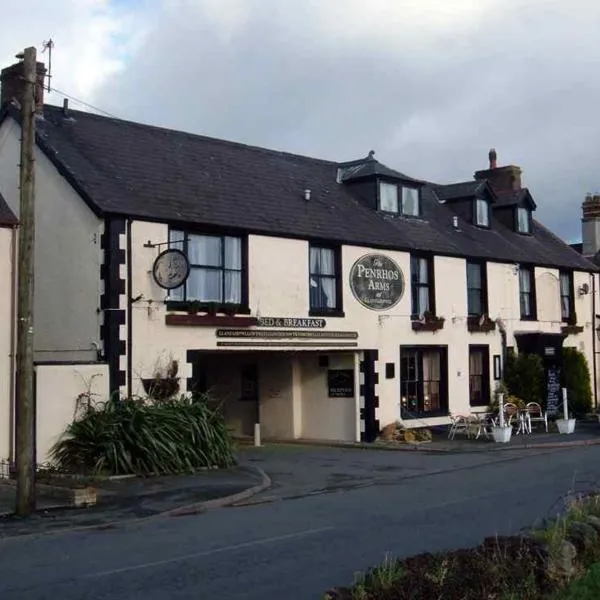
(482, 213)
(523, 220)
(410, 201)
(388, 197)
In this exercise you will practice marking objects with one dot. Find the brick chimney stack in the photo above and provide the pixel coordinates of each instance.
(501, 179)
(11, 84)
(590, 226)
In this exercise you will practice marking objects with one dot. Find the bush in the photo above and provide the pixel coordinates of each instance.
(524, 376)
(131, 435)
(576, 378)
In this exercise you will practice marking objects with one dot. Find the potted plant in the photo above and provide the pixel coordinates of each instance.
(566, 425)
(194, 307)
(501, 432)
(480, 323)
(165, 383)
(428, 322)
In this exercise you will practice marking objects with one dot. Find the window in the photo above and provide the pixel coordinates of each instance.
(527, 293)
(479, 375)
(566, 295)
(476, 289)
(215, 268)
(423, 381)
(394, 199)
(324, 280)
(388, 197)
(410, 201)
(523, 220)
(482, 213)
(421, 275)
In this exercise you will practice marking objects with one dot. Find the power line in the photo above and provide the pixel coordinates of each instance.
(82, 102)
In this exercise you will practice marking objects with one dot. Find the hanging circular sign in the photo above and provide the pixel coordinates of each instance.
(171, 269)
(376, 281)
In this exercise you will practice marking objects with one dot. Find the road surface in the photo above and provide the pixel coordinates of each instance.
(329, 514)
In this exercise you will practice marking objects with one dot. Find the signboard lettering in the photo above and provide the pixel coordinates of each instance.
(285, 333)
(297, 322)
(376, 281)
(553, 399)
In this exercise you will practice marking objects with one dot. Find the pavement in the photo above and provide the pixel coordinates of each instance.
(331, 512)
(135, 498)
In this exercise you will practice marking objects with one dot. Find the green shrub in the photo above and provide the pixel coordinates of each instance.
(524, 376)
(134, 435)
(576, 378)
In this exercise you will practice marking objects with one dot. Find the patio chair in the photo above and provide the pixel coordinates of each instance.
(536, 414)
(511, 412)
(458, 424)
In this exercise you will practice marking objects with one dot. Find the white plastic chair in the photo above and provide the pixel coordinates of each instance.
(535, 413)
(458, 424)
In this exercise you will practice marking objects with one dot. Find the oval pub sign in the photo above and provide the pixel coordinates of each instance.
(376, 281)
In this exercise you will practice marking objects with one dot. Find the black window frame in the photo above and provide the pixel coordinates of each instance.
(488, 211)
(338, 310)
(485, 383)
(483, 290)
(532, 292)
(415, 352)
(414, 287)
(399, 192)
(571, 296)
(243, 306)
(529, 220)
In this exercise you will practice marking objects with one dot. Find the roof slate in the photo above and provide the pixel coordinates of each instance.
(454, 191)
(147, 172)
(7, 217)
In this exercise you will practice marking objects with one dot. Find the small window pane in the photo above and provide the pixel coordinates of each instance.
(233, 253)
(388, 197)
(474, 275)
(410, 201)
(525, 281)
(483, 218)
(204, 250)
(233, 287)
(176, 239)
(523, 220)
(205, 285)
(474, 300)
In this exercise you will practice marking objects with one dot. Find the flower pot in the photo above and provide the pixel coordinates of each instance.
(502, 435)
(565, 425)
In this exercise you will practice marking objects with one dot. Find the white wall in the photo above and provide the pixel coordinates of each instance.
(57, 390)
(67, 256)
(6, 325)
(323, 417)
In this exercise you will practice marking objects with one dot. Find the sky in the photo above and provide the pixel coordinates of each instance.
(429, 85)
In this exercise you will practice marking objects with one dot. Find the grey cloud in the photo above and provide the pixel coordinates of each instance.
(521, 78)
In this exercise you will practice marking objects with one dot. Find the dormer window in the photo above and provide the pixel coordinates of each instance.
(523, 220)
(398, 199)
(482, 213)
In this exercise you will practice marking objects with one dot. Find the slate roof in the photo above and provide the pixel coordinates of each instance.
(121, 167)
(368, 167)
(7, 217)
(513, 197)
(454, 191)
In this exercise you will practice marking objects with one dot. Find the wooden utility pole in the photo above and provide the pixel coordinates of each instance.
(25, 406)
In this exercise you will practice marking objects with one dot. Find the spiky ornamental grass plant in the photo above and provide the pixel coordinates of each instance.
(141, 436)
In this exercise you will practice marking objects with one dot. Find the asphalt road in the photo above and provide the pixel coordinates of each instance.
(342, 512)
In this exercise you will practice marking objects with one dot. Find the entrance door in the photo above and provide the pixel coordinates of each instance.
(250, 397)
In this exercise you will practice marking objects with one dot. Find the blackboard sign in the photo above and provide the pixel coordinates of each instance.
(340, 383)
(553, 398)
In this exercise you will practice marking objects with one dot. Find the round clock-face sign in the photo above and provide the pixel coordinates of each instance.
(376, 281)
(171, 269)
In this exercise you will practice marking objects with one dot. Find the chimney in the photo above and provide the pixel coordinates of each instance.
(11, 84)
(501, 179)
(590, 225)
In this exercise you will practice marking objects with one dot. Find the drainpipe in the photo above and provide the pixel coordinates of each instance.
(502, 330)
(594, 333)
(13, 338)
